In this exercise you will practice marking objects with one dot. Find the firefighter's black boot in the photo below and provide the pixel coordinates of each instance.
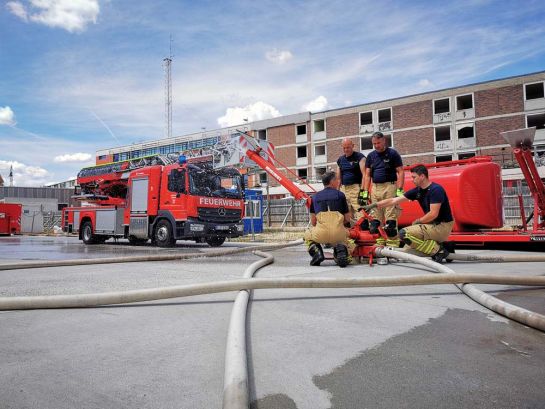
(450, 247)
(317, 254)
(340, 255)
(441, 255)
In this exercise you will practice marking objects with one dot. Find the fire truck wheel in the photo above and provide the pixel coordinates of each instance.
(163, 234)
(215, 241)
(87, 233)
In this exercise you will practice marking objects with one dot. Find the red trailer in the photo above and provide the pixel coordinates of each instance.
(10, 218)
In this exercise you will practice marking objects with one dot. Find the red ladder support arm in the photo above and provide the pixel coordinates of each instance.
(531, 174)
(273, 171)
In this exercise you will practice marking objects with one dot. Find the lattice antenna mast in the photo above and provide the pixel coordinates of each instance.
(167, 63)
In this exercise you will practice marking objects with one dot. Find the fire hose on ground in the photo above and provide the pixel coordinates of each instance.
(137, 259)
(236, 378)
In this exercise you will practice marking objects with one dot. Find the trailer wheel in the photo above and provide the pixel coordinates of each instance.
(163, 236)
(215, 241)
(87, 233)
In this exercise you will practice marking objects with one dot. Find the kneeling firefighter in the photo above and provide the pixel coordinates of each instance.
(329, 215)
(428, 233)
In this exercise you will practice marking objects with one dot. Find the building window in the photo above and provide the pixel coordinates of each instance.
(319, 125)
(319, 172)
(534, 91)
(384, 115)
(366, 144)
(466, 132)
(319, 150)
(440, 106)
(301, 129)
(302, 173)
(301, 151)
(366, 118)
(537, 120)
(262, 134)
(464, 102)
(466, 155)
(262, 178)
(442, 133)
(443, 158)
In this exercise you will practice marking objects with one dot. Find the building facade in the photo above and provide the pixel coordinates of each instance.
(449, 124)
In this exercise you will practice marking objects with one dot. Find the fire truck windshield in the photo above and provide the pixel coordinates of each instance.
(225, 182)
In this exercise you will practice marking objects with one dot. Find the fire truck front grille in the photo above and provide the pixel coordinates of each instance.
(219, 215)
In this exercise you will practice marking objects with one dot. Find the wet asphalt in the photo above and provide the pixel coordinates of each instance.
(406, 347)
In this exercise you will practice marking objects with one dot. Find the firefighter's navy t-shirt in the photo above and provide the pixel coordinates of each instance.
(329, 199)
(383, 165)
(434, 193)
(350, 168)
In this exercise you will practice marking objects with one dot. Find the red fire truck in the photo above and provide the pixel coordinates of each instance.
(10, 218)
(161, 198)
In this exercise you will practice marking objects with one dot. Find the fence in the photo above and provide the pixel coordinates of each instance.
(285, 212)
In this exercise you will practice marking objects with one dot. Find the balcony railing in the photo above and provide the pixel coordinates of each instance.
(318, 136)
(465, 114)
(466, 143)
(443, 145)
(442, 117)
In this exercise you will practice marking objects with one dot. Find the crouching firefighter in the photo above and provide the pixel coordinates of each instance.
(329, 215)
(428, 233)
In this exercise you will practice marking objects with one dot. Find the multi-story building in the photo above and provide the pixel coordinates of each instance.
(448, 124)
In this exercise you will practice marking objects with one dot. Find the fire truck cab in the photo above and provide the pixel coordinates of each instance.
(164, 203)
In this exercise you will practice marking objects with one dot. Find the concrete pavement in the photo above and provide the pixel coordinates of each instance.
(308, 348)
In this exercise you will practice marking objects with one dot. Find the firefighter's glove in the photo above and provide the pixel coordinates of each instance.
(370, 207)
(400, 192)
(363, 198)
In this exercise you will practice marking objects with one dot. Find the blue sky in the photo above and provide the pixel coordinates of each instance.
(82, 75)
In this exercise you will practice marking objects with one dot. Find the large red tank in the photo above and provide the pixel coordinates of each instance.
(10, 218)
(474, 189)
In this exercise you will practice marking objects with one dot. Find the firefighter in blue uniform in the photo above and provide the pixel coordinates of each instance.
(384, 173)
(329, 216)
(351, 167)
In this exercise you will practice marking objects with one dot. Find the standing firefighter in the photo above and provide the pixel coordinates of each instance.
(351, 167)
(427, 233)
(328, 215)
(384, 168)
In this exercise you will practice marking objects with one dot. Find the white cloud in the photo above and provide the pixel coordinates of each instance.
(7, 117)
(278, 56)
(17, 8)
(316, 105)
(71, 15)
(23, 175)
(73, 157)
(424, 83)
(253, 112)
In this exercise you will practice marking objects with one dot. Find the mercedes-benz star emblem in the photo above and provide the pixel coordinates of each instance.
(221, 211)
